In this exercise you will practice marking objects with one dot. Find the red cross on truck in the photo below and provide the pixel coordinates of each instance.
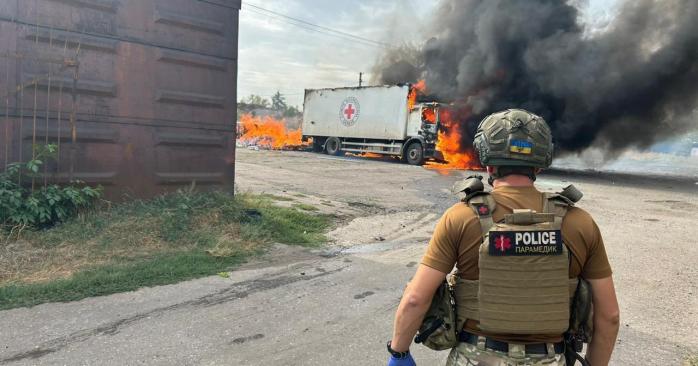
(349, 111)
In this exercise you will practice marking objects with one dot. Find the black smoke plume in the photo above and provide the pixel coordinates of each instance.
(629, 84)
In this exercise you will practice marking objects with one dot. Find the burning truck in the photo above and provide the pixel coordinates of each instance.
(386, 120)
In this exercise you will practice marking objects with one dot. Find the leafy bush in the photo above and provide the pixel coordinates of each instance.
(22, 207)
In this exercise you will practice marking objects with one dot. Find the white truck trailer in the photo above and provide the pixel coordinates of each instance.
(373, 119)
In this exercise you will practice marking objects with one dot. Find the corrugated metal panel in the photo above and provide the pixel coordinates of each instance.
(154, 87)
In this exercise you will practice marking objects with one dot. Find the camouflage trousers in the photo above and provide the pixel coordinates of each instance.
(466, 354)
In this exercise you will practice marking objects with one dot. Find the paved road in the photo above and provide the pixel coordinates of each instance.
(334, 306)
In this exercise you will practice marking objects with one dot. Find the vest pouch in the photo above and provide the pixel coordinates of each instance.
(467, 302)
(438, 330)
(582, 313)
(524, 284)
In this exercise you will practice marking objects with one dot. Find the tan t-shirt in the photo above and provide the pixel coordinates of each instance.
(458, 236)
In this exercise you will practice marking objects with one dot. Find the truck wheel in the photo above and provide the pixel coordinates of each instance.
(414, 154)
(333, 146)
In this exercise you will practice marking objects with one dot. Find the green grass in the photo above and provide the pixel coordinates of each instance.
(147, 243)
(108, 279)
(305, 207)
(692, 361)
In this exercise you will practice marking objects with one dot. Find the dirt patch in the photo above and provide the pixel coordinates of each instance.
(674, 204)
(23, 262)
(27, 263)
(394, 227)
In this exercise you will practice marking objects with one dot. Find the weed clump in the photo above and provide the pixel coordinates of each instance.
(24, 204)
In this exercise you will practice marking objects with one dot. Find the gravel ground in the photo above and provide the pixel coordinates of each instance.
(334, 305)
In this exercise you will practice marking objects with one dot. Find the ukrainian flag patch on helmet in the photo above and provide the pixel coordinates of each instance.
(521, 147)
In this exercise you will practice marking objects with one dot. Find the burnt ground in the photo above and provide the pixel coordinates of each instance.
(334, 305)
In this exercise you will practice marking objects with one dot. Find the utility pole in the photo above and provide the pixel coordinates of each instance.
(361, 74)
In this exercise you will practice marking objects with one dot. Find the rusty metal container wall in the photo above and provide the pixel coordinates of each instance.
(151, 85)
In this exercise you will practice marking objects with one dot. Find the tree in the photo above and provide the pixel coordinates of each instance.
(256, 101)
(278, 102)
(292, 112)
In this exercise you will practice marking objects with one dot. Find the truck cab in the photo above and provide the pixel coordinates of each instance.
(423, 126)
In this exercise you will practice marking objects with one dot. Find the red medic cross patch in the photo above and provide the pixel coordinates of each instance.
(481, 209)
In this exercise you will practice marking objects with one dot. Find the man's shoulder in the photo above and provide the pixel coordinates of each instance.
(578, 216)
(579, 227)
(459, 212)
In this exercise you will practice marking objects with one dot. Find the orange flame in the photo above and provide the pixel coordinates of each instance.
(419, 87)
(372, 155)
(429, 115)
(449, 136)
(369, 155)
(449, 143)
(268, 132)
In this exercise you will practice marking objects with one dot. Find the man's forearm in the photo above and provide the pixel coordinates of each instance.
(606, 320)
(408, 319)
(602, 343)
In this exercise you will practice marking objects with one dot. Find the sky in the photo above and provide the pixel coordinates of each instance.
(275, 54)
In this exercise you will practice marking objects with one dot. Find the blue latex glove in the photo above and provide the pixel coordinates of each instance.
(407, 361)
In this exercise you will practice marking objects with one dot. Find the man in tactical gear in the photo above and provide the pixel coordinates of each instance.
(520, 258)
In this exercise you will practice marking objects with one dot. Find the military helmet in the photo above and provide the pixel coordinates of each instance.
(514, 137)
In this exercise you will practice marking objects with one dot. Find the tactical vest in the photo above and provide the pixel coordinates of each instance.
(524, 285)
